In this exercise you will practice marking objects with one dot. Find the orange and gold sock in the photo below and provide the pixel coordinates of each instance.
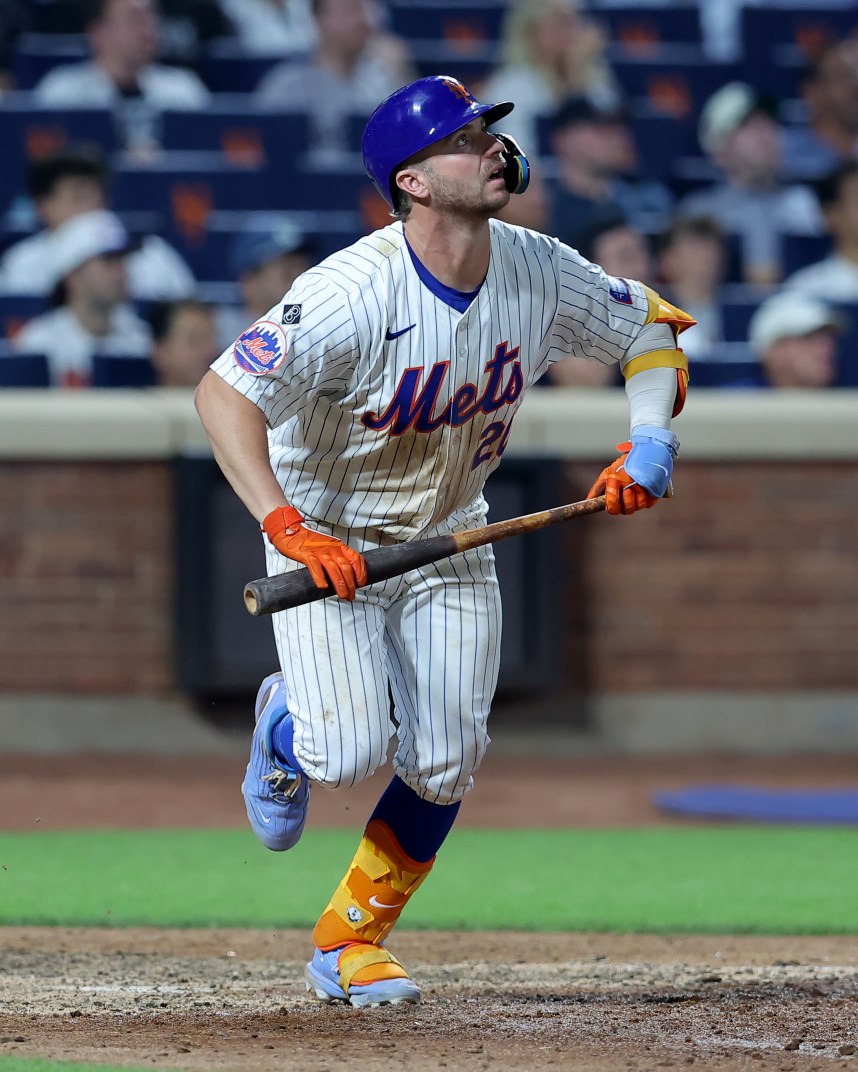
(366, 905)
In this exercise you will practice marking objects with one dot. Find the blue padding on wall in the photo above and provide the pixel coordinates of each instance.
(763, 805)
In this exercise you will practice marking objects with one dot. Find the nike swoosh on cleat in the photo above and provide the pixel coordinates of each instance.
(662, 467)
(374, 901)
(265, 818)
(391, 335)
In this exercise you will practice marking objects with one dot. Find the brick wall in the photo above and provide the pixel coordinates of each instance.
(746, 580)
(85, 577)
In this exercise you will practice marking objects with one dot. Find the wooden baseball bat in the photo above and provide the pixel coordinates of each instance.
(284, 590)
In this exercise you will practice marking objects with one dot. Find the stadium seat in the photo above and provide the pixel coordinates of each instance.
(465, 27)
(739, 302)
(23, 370)
(847, 347)
(34, 55)
(733, 365)
(243, 136)
(226, 68)
(28, 132)
(801, 250)
(778, 42)
(16, 310)
(811, 27)
(640, 30)
(110, 370)
(676, 80)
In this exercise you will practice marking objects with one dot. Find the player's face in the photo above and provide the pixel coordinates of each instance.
(464, 172)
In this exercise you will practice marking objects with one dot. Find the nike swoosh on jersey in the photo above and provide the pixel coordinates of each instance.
(391, 335)
(374, 901)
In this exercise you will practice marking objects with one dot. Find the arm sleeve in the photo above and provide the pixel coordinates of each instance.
(302, 348)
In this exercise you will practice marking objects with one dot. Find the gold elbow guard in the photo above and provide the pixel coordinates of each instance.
(656, 359)
(662, 312)
(674, 359)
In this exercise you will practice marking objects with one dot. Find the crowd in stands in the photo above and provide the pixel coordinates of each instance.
(172, 165)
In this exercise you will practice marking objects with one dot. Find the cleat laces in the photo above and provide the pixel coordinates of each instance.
(284, 784)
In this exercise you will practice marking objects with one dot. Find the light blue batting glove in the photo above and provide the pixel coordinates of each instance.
(650, 461)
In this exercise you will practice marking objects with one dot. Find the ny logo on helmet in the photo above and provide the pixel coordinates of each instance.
(458, 90)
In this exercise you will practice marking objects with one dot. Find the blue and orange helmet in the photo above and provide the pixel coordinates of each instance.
(414, 117)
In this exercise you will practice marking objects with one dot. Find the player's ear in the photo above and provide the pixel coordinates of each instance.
(412, 181)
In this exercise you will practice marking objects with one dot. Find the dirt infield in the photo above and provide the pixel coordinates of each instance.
(235, 1000)
(597, 1003)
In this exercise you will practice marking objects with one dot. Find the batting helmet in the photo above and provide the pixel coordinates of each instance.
(415, 116)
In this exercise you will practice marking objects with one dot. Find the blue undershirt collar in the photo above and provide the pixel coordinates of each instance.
(456, 299)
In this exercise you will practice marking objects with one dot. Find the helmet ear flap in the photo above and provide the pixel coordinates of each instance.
(516, 170)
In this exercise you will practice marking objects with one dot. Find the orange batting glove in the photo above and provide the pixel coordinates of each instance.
(622, 494)
(331, 562)
(638, 479)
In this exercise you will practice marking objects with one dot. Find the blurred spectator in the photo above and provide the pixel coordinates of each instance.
(272, 27)
(550, 50)
(829, 91)
(88, 254)
(796, 340)
(265, 264)
(835, 278)
(692, 261)
(71, 181)
(184, 341)
(721, 20)
(15, 19)
(354, 66)
(617, 247)
(595, 156)
(122, 75)
(188, 26)
(619, 250)
(741, 136)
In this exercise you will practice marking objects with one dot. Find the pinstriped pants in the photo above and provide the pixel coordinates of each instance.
(430, 638)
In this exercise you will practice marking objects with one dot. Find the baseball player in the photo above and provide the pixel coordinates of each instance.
(368, 407)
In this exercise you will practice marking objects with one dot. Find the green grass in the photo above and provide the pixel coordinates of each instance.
(41, 1064)
(712, 879)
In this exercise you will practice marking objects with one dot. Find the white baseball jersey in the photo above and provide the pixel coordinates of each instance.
(389, 400)
(388, 407)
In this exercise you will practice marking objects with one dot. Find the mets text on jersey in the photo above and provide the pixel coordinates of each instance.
(413, 408)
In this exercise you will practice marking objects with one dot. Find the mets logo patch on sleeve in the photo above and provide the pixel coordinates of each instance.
(619, 290)
(261, 349)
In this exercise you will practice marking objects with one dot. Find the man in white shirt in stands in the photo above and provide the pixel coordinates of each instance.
(92, 315)
(71, 181)
(834, 278)
(122, 75)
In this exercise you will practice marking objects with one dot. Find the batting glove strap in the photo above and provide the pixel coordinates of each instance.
(651, 433)
(650, 460)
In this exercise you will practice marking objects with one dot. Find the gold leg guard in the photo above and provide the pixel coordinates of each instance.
(366, 905)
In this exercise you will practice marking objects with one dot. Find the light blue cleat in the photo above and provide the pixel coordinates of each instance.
(322, 976)
(276, 795)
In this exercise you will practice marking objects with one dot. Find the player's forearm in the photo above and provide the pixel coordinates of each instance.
(238, 434)
(651, 396)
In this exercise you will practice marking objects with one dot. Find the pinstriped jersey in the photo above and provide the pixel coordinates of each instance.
(387, 407)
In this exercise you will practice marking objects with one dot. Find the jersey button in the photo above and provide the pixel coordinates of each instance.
(462, 351)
